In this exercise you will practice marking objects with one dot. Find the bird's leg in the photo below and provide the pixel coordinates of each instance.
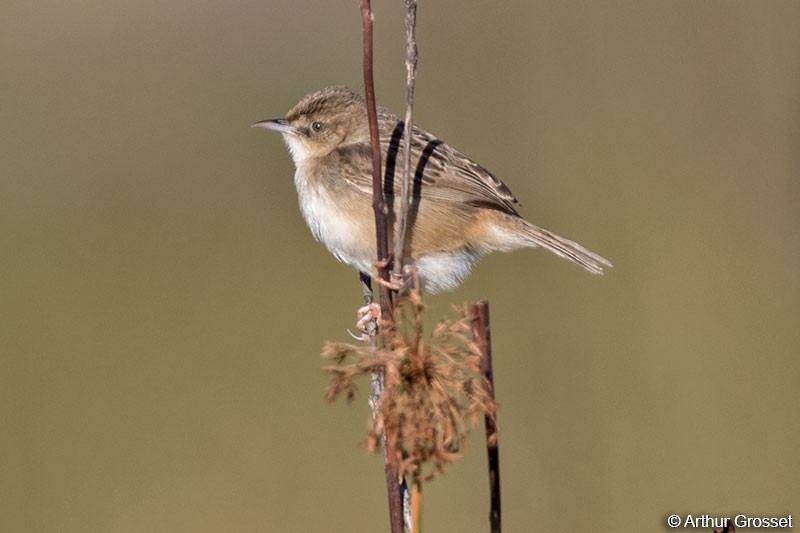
(366, 287)
(369, 314)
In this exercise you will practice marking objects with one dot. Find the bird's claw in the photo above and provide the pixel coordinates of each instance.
(398, 283)
(366, 314)
(367, 322)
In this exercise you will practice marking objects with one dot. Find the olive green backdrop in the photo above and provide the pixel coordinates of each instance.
(162, 303)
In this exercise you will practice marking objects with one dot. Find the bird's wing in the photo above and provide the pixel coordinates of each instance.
(440, 172)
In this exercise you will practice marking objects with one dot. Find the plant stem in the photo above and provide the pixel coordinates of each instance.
(481, 334)
(393, 479)
(400, 247)
(378, 201)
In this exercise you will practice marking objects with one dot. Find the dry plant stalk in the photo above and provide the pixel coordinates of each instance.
(435, 391)
(394, 481)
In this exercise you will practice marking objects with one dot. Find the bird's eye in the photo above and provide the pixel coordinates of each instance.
(316, 126)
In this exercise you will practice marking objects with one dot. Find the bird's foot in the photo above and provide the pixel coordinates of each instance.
(367, 323)
(366, 314)
(398, 283)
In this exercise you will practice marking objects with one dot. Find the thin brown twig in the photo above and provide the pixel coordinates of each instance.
(400, 247)
(481, 334)
(378, 201)
(393, 479)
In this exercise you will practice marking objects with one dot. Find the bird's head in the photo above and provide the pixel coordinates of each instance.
(321, 122)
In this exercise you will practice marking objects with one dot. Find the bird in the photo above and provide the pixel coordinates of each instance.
(459, 211)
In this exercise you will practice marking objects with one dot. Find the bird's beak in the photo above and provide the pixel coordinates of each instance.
(277, 124)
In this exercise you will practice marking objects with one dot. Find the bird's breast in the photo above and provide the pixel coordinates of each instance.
(328, 214)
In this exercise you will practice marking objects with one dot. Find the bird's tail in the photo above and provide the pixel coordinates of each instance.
(563, 247)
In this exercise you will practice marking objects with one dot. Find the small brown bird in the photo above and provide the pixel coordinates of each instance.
(459, 210)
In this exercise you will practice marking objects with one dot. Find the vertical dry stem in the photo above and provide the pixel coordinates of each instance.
(481, 334)
(405, 191)
(378, 201)
(411, 517)
(393, 479)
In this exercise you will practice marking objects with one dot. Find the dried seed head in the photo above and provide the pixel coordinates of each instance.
(434, 390)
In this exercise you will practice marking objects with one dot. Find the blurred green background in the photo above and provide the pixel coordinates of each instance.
(163, 304)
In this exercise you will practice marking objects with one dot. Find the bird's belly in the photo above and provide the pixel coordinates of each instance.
(336, 228)
(444, 271)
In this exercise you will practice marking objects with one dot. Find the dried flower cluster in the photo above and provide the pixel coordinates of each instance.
(434, 389)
